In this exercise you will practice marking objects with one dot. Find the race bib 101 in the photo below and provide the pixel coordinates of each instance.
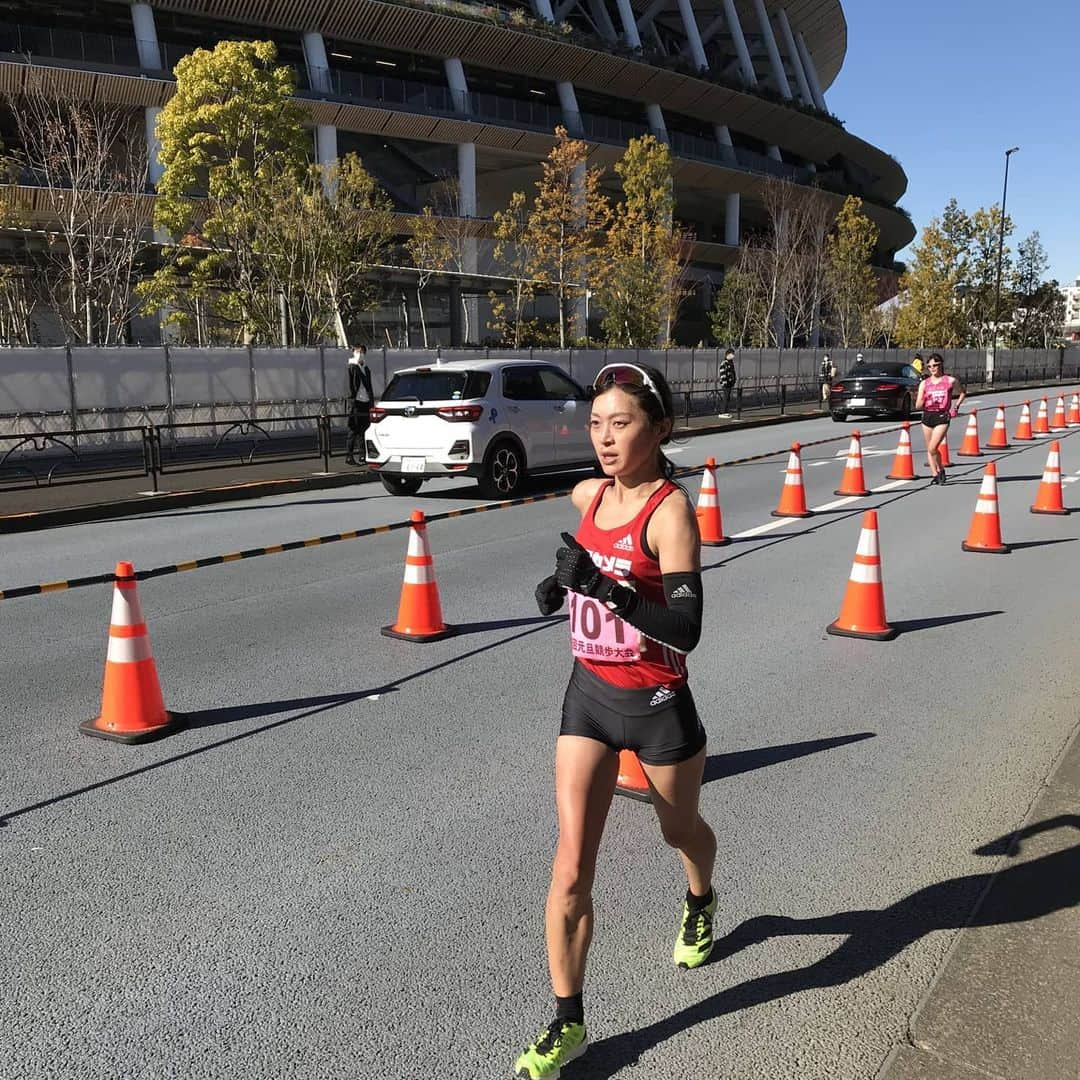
(599, 634)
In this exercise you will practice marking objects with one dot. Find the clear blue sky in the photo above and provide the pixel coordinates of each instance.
(948, 86)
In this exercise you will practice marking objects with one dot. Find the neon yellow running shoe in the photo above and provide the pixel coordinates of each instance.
(557, 1045)
(695, 940)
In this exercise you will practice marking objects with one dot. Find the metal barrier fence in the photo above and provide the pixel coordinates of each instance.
(69, 412)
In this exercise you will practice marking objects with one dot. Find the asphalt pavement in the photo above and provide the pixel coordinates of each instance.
(338, 869)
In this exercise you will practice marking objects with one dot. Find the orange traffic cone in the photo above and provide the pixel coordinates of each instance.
(970, 446)
(419, 615)
(1023, 429)
(903, 464)
(1058, 423)
(853, 482)
(862, 613)
(1042, 420)
(943, 450)
(631, 781)
(1049, 500)
(1074, 411)
(132, 709)
(710, 522)
(985, 532)
(999, 437)
(792, 494)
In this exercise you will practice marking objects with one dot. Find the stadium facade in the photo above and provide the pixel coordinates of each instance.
(424, 90)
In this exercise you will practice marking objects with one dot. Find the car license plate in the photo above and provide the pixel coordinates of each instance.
(413, 464)
(857, 401)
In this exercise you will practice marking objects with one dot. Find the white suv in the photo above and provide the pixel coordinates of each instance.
(495, 420)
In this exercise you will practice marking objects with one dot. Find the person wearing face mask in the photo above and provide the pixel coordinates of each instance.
(359, 398)
(631, 576)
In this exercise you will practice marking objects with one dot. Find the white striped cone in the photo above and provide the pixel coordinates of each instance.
(1042, 419)
(970, 445)
(862, 613)
(903, 464)
(132, 708)
(793, 494)
(419, 611)
(985, 532)
(999, 437)
(1023, 427)
(853, 482)
(1074, 411)
(710, 521)
(1058, 423)
(1049, 498)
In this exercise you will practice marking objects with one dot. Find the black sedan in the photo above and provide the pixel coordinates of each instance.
(877, 388)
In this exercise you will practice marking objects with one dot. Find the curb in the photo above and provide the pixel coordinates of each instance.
(78, 515)
(893, 1067)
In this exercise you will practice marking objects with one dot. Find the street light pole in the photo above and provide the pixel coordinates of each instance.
(991, 366)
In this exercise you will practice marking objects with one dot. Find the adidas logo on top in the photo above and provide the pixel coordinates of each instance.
(662, 694)
(625, 544)
(683, 592)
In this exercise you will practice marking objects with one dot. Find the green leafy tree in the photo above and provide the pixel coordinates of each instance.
(928, 314)
(231, 139)
(641, 278)
(737, 308)
(1037, 305)
(850, 280)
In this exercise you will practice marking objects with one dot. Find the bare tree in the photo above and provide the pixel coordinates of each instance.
(810, 220)
(88, 161)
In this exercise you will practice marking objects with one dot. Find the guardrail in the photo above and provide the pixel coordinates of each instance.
(156, 450)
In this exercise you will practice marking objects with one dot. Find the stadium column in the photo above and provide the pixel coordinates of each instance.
(466, 160)
(811, 71)
(746, 65)
(631, 31)
(770, 45)
(793, 56)
(565, 90)
(693, 36)
(146, 43)
(318, 69)
(731, 219)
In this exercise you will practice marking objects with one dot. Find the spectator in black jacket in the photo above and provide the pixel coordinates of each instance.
(359, 398)
(728, 379)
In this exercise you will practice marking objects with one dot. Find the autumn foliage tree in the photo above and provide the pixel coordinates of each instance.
(641, 271)
(566, 227)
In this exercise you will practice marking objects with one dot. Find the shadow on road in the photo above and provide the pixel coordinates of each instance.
(308, 707)
(907, 626)
(1021, 544)
(719, 766)
(1022, 892)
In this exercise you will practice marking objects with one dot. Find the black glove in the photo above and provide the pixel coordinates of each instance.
(575, 569)
(549, 596)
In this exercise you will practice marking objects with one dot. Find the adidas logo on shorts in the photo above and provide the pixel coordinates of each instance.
(625, 544)
(683, 592)
(662, 694)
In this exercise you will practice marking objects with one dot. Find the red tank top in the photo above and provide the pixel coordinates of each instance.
(621, 554)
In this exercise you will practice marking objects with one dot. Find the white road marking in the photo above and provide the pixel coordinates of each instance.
(835, 503)
(767, 527)
(894, 484)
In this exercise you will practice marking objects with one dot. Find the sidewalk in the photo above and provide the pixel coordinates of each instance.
(1006, 1006)
(99, 498)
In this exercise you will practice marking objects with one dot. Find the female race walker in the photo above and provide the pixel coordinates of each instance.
(633, 574)
(935, 401)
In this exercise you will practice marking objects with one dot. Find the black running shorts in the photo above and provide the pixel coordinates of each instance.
(659, 724)
(936, 419)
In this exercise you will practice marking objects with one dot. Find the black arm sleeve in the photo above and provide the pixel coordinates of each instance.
(677, 625)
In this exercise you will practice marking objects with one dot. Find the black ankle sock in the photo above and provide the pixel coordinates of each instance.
(570, 1008)
(698, 903)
